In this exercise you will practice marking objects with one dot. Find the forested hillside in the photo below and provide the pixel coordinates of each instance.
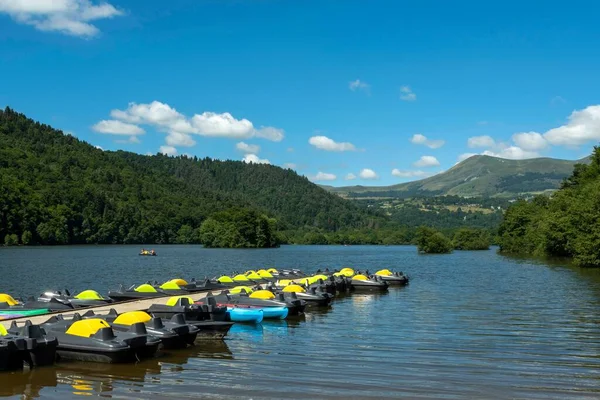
(56, 189)
(567, 224)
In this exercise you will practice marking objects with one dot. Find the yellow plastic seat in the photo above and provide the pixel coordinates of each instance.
(265, 274)
(170, 285)
(347, 272)
(173, 300)
(7, 298)
(225, 279)
(284, 282)
(89, 295)
(178, 281)
(263, 294)
(384, 272)
(272, 271)
(240, 278)
(3, 331)
(87, 327)
(360, 278)
(132, 317)
(293, 289)
(239, 289)
(254, 276)
(145, 288)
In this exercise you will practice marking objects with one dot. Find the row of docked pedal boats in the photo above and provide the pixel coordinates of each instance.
(179, 322)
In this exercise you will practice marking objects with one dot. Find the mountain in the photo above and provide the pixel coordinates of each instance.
(57, 189)
(478, 176)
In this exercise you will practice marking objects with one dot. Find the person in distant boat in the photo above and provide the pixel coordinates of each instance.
(152, 252)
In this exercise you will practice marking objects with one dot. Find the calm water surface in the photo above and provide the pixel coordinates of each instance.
(470, 325)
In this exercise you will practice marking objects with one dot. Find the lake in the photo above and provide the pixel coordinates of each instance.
(469, 325)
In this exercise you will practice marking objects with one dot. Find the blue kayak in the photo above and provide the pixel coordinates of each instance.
(236, 314)
(275, 312)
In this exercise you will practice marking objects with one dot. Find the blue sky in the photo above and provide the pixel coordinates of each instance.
(345, 92)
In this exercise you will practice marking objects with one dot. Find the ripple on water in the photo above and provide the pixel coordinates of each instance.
(470, 325)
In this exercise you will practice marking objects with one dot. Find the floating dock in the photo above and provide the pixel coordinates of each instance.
(121, 307)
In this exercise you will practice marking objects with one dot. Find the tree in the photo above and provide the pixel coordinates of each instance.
(471, 239)
(11, 240)
(430, 240)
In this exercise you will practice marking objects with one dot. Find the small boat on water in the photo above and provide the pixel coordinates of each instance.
(87, 298)
(246, 297)
(145, 252)
(27, 344)
(364, 283)
(312, 297)
(174, 333)
(95, 340)
(211, 320)
(11, 308)
(392, 278)
(238, 314)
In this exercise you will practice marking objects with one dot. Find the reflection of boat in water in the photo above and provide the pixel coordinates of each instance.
(28, 384)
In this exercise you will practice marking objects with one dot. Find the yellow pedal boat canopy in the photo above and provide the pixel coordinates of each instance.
(87, 327)
(132, 317)
(263, 294)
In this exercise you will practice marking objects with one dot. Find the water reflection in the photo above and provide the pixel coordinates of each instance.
(27, 383)
(470, 325)
(97, 378)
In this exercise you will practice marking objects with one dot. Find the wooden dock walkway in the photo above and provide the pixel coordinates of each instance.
(131, 305)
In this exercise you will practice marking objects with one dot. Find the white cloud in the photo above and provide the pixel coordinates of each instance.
(426, 161)
(324, 176)
(168, 150)
(530, 141)
(481, 141)
(464, 156)
(583, 127)
(71, 17)
(359, 85)
(407, 94)
(113, 127)
(175, 138)
(327, 144)
(253, 158)
(270, 133)
(350, 177)
(247, 148)
(368, 174)
(222, 125)
(290, 165)
(168, 119)
(409, 174)
(422, 139)
(512, 153)
(155, 113)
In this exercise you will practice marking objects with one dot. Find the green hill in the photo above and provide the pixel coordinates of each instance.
(478, 176)
(57, 189)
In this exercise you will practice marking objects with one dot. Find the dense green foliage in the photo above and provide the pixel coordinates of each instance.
(429, 240)
(238, 228)
(567, 224)
(56, 189)
(471, 239)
